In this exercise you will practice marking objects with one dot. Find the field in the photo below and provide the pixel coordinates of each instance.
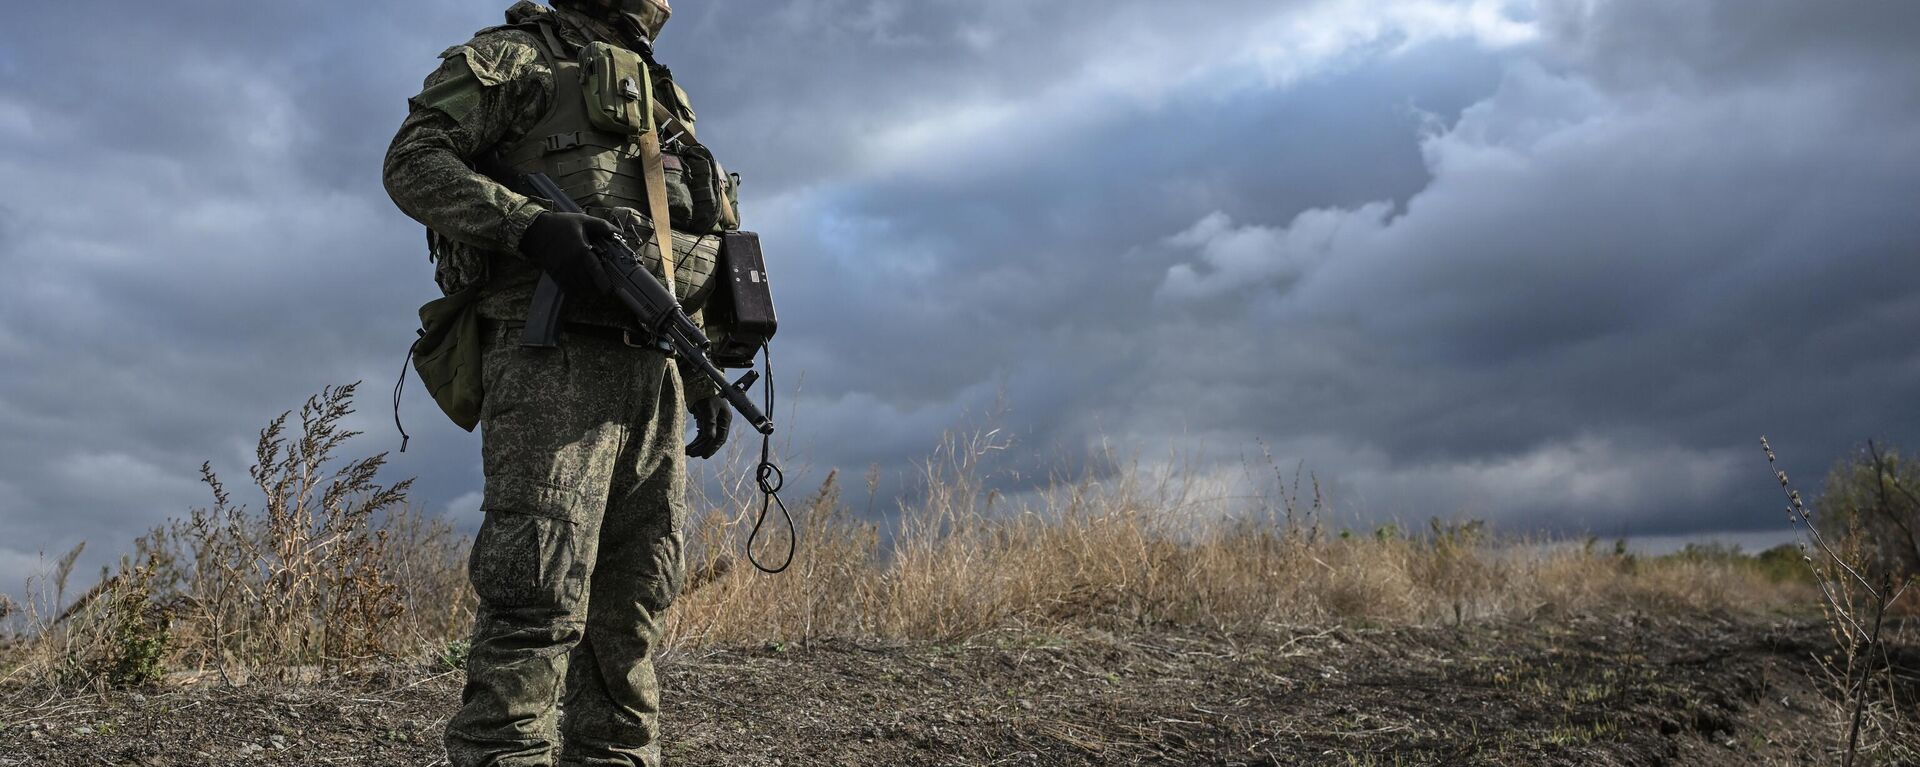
(1145, 615)
(1553, 691)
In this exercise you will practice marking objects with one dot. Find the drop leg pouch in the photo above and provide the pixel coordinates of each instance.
(447, 355)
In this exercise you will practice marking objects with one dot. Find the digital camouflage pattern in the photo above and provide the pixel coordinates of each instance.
(579, 556)
(580, 552)
(485, 93)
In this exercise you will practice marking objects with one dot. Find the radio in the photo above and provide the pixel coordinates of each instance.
(740, 313)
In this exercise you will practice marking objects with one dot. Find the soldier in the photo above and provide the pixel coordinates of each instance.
(580, 552)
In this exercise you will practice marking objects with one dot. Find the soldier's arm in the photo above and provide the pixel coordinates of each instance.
(485, 93)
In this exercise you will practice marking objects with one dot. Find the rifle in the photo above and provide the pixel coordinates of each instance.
(659, 313)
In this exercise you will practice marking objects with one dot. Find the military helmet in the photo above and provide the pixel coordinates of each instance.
(648, 15)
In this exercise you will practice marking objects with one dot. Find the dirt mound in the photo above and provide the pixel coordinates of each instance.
(1617, 691)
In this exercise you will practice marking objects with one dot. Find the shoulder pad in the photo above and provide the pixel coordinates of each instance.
(498, 55)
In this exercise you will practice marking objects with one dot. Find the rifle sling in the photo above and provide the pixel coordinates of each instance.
(656, 177)
(662, 117)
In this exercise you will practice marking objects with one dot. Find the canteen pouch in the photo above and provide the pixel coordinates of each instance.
(617, 88)
(740, 313)
(447, 355)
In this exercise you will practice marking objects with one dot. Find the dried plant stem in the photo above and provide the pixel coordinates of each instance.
(1855, 607)
(1861, 687)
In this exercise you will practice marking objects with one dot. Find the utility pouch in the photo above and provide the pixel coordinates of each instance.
(740, 314)
(695, 257)
(681, 198)
(705, 194)
(618, 91)
(448, 355)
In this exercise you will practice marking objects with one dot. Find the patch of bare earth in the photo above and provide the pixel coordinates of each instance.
(1564, 691)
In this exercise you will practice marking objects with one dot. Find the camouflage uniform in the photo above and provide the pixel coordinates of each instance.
(580, 553)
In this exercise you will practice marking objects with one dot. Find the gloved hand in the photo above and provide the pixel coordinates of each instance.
(561, 244)
(714, 418)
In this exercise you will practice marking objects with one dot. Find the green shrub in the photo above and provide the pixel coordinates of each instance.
(1875, 492)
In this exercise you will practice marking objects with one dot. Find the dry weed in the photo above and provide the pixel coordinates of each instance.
(329, 571)
(1859, 587)
(1144, 547)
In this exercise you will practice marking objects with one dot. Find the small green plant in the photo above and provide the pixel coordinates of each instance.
(453, 655)
(1875, 490)
(140, 633)
(115, 635)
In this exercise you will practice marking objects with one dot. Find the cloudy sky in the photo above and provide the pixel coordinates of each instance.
(1554, 263)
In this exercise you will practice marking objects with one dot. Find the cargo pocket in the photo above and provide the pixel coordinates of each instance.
(527, 555)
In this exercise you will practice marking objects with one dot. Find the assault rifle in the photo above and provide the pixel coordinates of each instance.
(660, 315)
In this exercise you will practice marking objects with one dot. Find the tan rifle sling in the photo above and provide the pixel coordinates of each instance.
(656, 179)
(656, 172)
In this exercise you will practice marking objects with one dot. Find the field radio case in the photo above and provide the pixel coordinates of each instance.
(740, 315)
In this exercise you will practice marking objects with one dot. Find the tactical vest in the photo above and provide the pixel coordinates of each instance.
(604, 172)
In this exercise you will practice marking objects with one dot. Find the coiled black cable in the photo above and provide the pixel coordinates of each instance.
(771, 479)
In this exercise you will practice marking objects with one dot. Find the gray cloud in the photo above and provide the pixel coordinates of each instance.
(1554, 263)
(1602, 269)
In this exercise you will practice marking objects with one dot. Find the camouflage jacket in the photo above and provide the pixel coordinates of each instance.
(486, 94)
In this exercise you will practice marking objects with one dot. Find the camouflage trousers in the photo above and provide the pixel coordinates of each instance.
(579, 555)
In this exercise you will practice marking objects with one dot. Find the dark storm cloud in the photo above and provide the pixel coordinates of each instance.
(1617, 271)
(1557, 264)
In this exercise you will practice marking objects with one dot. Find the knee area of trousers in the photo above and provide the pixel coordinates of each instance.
(668, 578)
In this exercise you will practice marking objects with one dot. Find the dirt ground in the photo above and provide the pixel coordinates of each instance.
(1587, 691)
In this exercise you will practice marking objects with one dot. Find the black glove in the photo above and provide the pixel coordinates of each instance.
(714, 418)
(561, 244)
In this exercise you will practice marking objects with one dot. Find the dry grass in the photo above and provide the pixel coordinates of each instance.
(332, 569)
(1145, 547)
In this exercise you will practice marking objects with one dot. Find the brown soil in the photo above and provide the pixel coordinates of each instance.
(1589, 691)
